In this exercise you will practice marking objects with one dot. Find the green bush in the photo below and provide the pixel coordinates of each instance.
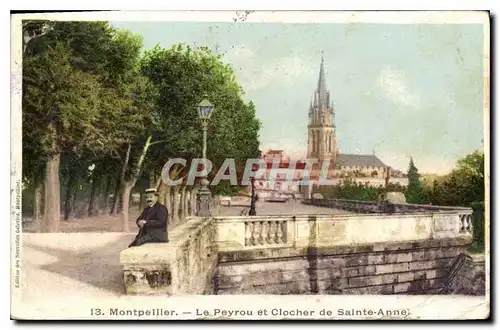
(478, 227)
(356, 191)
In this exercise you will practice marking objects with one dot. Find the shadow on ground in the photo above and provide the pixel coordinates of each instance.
(99, 267)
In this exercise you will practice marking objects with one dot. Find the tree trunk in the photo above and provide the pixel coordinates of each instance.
(125, 206)
(175, 211)
(131, 183)
(73, 204)
(152, 181)
(168, 202)
(52, 207)
(37, 208)
(92, 195)
(121, 181)
(116, 197)
(106, 193)
(140, 206)
(69, 194)
(158, 182)
(182, 203)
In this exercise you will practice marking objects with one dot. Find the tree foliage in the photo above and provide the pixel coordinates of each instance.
(183, 77)
(415, 192)
(105, 116)
(349, 189)
(464, 185)
(84, 99)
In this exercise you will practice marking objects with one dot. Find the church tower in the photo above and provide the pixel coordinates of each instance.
(322, 141)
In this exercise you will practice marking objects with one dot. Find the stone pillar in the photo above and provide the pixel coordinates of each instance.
(204, 199)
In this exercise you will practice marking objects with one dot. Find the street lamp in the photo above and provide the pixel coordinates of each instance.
(205, 109)
(252, 202)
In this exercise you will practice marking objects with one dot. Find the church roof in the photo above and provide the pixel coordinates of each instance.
(359, 160)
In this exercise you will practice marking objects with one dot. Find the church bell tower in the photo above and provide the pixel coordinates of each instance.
(322, 141)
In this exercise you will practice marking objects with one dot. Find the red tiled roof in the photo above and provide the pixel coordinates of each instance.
(274, 151)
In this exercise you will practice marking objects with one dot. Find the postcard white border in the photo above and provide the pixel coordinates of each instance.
(422, 307)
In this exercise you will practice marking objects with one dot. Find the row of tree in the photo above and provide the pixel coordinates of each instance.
(463, 186)
(350, 189)
(102, 116)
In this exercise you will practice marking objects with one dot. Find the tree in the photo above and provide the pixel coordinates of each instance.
(184, 76)
(60, 110)
(414, 191)
(79, 83)
(464, 185)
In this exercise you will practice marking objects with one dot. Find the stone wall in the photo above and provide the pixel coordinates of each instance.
(184, 265)
(394, 268)
(376, 253)
(469, 278)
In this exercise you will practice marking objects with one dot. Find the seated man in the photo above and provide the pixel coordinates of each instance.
(152, 222)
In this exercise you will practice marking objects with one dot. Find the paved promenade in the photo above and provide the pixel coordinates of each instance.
(268, 208)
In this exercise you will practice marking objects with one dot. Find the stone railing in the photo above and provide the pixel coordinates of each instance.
(256, 232)
(187, 263)
(265, 232)
(182, 266)
(464, 213)
(346, 204)
(374, 207)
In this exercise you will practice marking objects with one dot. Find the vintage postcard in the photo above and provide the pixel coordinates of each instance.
(180, 165)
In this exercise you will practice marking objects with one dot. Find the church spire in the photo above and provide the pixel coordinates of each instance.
(321, 79)
(322, 92)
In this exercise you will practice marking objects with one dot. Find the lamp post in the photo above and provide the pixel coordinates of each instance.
(205, 109)
(252, 202)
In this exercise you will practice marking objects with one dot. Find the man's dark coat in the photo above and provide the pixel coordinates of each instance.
(155, 229)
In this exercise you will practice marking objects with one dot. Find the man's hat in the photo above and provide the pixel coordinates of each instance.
(151, 191)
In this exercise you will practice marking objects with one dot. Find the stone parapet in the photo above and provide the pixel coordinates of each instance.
(310, 231)
(331, 253)
(375, 207)
(184, 265)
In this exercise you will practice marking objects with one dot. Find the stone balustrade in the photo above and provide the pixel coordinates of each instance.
(265, 233)
(184, 265)
(243, 233)
(374, 207)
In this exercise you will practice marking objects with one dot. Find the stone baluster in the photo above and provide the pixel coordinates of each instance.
(199, 258)
(256, 235)
(469, 220)
(279, 233)
(186, 278)
(190, 265)
(272, 231)
(248, 233)
(462, 221)
(265, 232)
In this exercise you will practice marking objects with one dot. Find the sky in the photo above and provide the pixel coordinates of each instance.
(399, 90)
